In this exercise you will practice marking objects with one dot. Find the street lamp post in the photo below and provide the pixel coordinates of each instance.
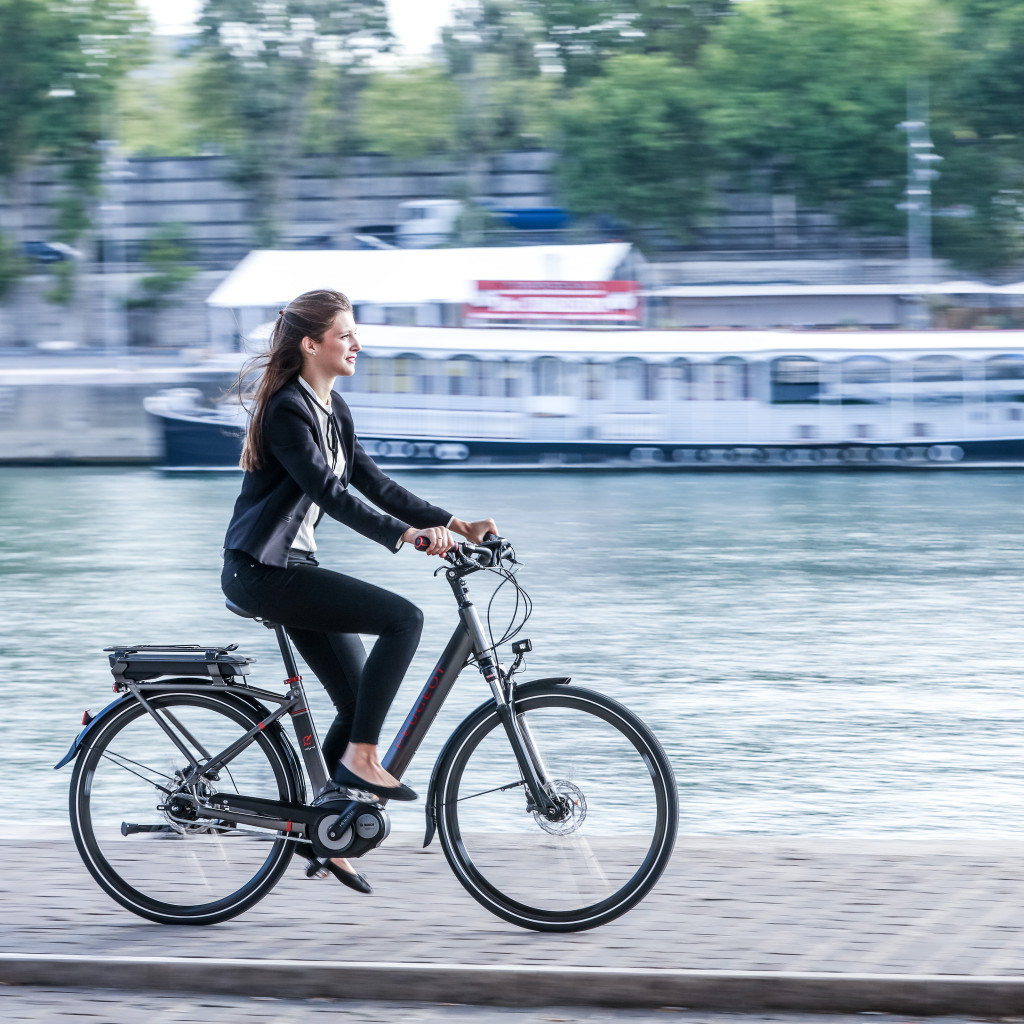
(115, 316)
(921, 172)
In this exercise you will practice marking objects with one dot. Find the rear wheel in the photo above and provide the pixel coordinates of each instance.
(133, 817)
(593, 858)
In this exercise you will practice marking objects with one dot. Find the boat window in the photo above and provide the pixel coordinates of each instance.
(550, 376)
(679, 377)
(938, 368)
(866, 370)
(510, 379)
(865, 380)
(593, 380)
(631, 380)
(1006, 367)
(795, 379)
(376, 374)
(405, 374)
(464, 377)
(730, 379)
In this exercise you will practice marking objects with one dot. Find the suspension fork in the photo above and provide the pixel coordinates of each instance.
(523, 746)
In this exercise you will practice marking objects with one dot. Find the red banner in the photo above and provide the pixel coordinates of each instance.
(602, 301)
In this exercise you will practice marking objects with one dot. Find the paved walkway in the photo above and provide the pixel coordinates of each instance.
(96, 1006)
(756, 904)
(735, 924)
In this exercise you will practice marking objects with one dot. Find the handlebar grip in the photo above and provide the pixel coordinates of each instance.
(421, 543)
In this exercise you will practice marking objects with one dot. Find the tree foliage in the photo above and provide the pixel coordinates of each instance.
(633, 145)
(495, 51)
(262, 63)
(62, 61)
(61, 64)
(582, 35)
(979, 130)
(815, 92)
(411, 114)
(167, 253)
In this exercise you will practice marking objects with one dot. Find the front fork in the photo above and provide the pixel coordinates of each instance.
(531, 764)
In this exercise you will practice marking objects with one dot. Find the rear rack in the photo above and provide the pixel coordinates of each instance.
(138, 662)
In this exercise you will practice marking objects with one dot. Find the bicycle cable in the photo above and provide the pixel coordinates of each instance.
(511, 630)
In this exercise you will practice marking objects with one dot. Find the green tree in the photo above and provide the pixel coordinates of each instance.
(263, 61)
(813, 92)
(12, 264)
(581, 35)
(411, 113)
(167, 253)
(633, 145)
(979, 130)
(495, 51)
(61, 65)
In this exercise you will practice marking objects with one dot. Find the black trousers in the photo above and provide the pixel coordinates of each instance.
(323, 612)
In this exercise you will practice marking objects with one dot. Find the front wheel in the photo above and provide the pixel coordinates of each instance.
(133, 794)
(595, 857)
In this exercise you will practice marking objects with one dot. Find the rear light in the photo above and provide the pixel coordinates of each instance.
(86, 718)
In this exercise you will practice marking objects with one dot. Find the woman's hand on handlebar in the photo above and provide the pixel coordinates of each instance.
(474, 532)
(439, 539)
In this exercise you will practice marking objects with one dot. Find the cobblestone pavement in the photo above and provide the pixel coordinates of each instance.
(46, 1005)
(915, 907)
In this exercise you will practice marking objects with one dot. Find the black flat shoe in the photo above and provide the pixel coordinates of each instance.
(341, 776)
(352, 879)
(317, 868)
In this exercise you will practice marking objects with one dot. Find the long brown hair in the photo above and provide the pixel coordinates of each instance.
(308, 316)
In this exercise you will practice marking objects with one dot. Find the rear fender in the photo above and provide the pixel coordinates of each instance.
(433, 801)
(94, 723)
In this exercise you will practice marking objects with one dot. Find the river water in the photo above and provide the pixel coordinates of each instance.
(819, 653)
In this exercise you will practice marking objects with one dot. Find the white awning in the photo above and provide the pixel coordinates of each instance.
(268, 277)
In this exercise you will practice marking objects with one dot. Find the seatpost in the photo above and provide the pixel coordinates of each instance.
(286, 652)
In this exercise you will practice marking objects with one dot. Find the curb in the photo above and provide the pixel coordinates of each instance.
(523, 985)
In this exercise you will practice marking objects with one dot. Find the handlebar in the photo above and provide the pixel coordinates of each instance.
(484, 555)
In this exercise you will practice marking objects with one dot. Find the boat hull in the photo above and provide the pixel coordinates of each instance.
(192, 445)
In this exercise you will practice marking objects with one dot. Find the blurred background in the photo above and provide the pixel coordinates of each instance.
(146, 147)
(805, 220)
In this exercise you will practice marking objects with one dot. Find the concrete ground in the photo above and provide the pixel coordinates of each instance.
(794, 908)
(103, 1006)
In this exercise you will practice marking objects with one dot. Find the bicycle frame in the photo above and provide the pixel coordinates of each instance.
(467, 643)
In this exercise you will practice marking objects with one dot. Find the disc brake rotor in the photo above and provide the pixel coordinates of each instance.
(571, 813)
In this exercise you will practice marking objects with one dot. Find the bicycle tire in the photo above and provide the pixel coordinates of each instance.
(545, 875)
(198, 872)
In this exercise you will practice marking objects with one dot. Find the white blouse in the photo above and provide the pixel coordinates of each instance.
(304, 539)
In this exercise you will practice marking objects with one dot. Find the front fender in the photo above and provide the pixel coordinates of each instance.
(94, 722)
(432, 803)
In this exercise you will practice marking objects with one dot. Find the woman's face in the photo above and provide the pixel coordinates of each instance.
(336, 353)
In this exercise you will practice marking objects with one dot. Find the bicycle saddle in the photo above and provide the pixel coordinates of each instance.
(239, 610)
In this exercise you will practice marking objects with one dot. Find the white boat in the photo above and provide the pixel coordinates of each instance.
(512, 398)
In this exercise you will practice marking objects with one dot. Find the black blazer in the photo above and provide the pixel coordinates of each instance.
(275, 499)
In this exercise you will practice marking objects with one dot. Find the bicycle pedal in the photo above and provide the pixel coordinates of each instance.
(316, 869)
(333, 793)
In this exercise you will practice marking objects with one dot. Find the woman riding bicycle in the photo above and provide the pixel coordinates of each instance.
(300, 457)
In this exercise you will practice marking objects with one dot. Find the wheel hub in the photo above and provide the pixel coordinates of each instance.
(180, 808)
(569, 812)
